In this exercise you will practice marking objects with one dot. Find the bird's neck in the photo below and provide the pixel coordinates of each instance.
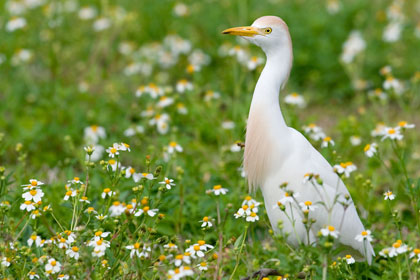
(266, 132)
(273, 77)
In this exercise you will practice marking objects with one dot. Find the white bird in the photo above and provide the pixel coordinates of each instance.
(276, 154)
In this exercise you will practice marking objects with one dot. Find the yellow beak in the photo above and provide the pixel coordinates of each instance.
(248, 31)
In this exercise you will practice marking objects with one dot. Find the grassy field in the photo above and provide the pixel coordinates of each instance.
(132, 114)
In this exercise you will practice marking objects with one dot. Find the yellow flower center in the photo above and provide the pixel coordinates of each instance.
(203, 264)
(367, 147)
(331, 228)
(107, 190)
(162, 258)
(253, 214)
(206, 219)
(33, 237)
(286, 194)
(167, 181)
(388, 193)
(116, 203)
(33, 192)
(27, 202)
(132, 170)
(99, 242)
(94, 128)
(112, 161)
(75, 249)
(396, 245)
(146, 208)
(364, 233)
(77, 179)
(201, 242)
(416, 251)
(327, 139)
(248, 198)
(98, 233)
(196, 247)
(129, 206)
(144, 201)
(245, 207)
(308, 203)
(34, 183)
(402, 123)
(136, 245)
(62, 240)
(113, 150)
(53, 263)
(391, 131)
(172, 144)
(217, 187)
(68, 193)
(179, 257)
(348, 256)
(84, 198)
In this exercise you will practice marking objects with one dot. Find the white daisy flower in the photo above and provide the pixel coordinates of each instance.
(198, 249)
(33, 183)
(206, 222)
(370, 149)
(73, 252)
(365, 235)
(327, 141)
(28, 206)
(33, 194)
(174, 147)
(147, 210)
(113, 151)
(107, 192)
(168, 183)
(52, 266)
(183, 86)
(218, 190)
(389, 195)
(134, 249)
(329, 231)
(349, 259)
(295, 99)
(392, 133)
(307, 206)
(345, 168)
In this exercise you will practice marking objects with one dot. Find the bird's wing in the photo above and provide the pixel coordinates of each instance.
(347, 220)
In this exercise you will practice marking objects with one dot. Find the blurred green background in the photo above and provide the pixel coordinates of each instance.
(42, 101)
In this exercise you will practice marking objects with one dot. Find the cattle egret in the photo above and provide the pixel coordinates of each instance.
(282, 162)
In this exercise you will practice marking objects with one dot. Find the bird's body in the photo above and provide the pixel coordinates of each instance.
(276, 154)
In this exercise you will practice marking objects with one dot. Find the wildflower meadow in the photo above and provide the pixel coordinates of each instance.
(122, 128)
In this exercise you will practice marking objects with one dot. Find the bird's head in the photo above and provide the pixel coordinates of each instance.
(267, 32)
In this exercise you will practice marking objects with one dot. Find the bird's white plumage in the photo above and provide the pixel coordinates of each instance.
(276, 154)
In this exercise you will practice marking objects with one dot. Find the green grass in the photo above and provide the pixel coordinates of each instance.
(77, 78)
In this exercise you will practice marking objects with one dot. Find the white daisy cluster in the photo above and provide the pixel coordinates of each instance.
(248, 210)
(33, 195)
(396, 249)
(183, 261)
(393, 133)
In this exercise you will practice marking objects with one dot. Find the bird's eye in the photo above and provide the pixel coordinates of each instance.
(267, 30)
